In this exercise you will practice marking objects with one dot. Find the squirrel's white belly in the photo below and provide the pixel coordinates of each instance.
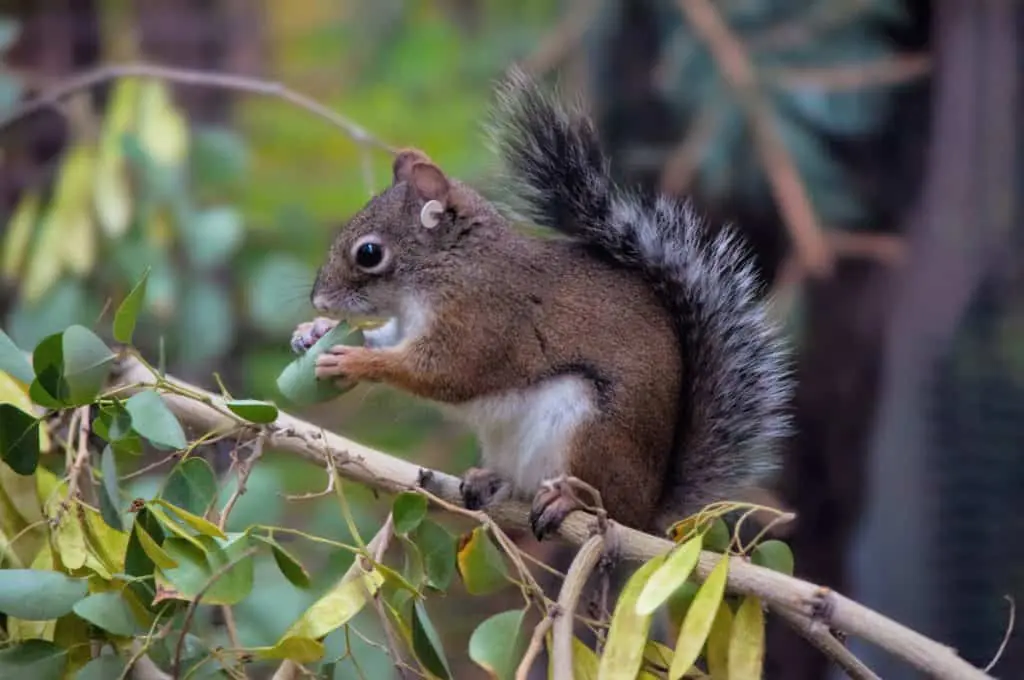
(525, 434)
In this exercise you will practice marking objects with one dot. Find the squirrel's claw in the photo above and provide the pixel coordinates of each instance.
(481, 487)
(553, 503)
(306, 334)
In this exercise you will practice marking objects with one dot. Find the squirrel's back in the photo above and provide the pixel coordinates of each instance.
(732, 412)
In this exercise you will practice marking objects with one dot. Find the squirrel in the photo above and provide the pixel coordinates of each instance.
(631, 350)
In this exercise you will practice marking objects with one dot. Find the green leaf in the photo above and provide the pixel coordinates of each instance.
(409, 509)
(271, 292)
(426, 644)
(35, 659)
(191, 486)
(153, 420)
(128, 311)
(13, 361)
(672, 574)
(86, 364)
(253, 410)
(289, 565)
(746, 644)
(437, 547)
(336, 607)
(212, 236)
(219, 156)
(701, 615)
(48, 364)
(298, 382)
(110, 491)
(10, 29)
(497, 644)
(206, 312)
(197, 566)
(156, 554)
(624, 649)
(103, 667)
(38, 595)
(717, 537)
(775, 555)
(172, 526)
(19, 439)
(200, 524)
(480, 564)
(111, 612)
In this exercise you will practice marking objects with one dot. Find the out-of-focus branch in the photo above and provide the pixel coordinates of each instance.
(787, 187)
(382, 472)
(226, 81)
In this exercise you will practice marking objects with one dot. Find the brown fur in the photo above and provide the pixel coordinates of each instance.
(508, 312)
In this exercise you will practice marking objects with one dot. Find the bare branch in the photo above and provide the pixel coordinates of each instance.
(582, 565)
(385, 473)
(818, 635)
(181, 76)
(536, 644)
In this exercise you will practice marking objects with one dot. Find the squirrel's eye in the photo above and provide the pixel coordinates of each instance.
(369, 255)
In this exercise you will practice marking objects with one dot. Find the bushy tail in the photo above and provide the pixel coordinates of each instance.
(737, 378)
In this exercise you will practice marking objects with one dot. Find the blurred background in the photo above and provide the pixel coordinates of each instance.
(870, 150)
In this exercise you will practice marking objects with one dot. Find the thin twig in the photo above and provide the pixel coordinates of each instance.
(244, 469)
(779, 166)
(194, 604)
(232, 628)
(536, 644)
(1006, 637)
(78, 464)
(584, 562)
(172, 456)
(889, 71)
(227, 81)
(386, 532)
(819, 636)
(385, 473)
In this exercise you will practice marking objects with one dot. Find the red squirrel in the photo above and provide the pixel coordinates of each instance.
(632, 351)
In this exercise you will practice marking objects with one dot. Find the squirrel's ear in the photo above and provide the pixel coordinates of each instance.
(401, 169)
(429, 182)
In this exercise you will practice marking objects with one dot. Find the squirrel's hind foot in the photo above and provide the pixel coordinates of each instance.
(555, 501)
(481, 487)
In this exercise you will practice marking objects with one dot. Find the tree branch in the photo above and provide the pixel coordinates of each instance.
(225, 81)
(779, 167)
(582, 565)
(385, 473)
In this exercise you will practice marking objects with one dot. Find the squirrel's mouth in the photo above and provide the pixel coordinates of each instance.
(382, 335)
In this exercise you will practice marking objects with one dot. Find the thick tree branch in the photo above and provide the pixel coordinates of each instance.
(385, 473)
(582, 565)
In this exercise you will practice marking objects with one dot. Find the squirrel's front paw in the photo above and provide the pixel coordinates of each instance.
(306, 334)
(480, 488)
(352, 363)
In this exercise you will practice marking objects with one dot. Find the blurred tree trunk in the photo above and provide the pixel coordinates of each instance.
(941, 539)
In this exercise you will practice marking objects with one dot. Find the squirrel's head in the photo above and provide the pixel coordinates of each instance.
(404, 241)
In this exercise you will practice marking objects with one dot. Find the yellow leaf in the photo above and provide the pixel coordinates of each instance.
(699, 618)
(657, 654)
(167, 523)
(72, 634)
(111, 193)
(72, 209)
(163, 131)
(672, 574)
(20, 629)
(79, 240)
(203, 526)
(19, 234)
(68, 536)
(298, 649)
(718, 643)
(336, 607)
(107, 546)
(624, 650)
(15, 393)
(584, 662)
(44, 265)
(746, 644)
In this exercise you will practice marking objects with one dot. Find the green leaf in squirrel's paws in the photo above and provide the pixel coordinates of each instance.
(298, 382)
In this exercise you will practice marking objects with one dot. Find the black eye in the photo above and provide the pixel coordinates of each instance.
(369, 255)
